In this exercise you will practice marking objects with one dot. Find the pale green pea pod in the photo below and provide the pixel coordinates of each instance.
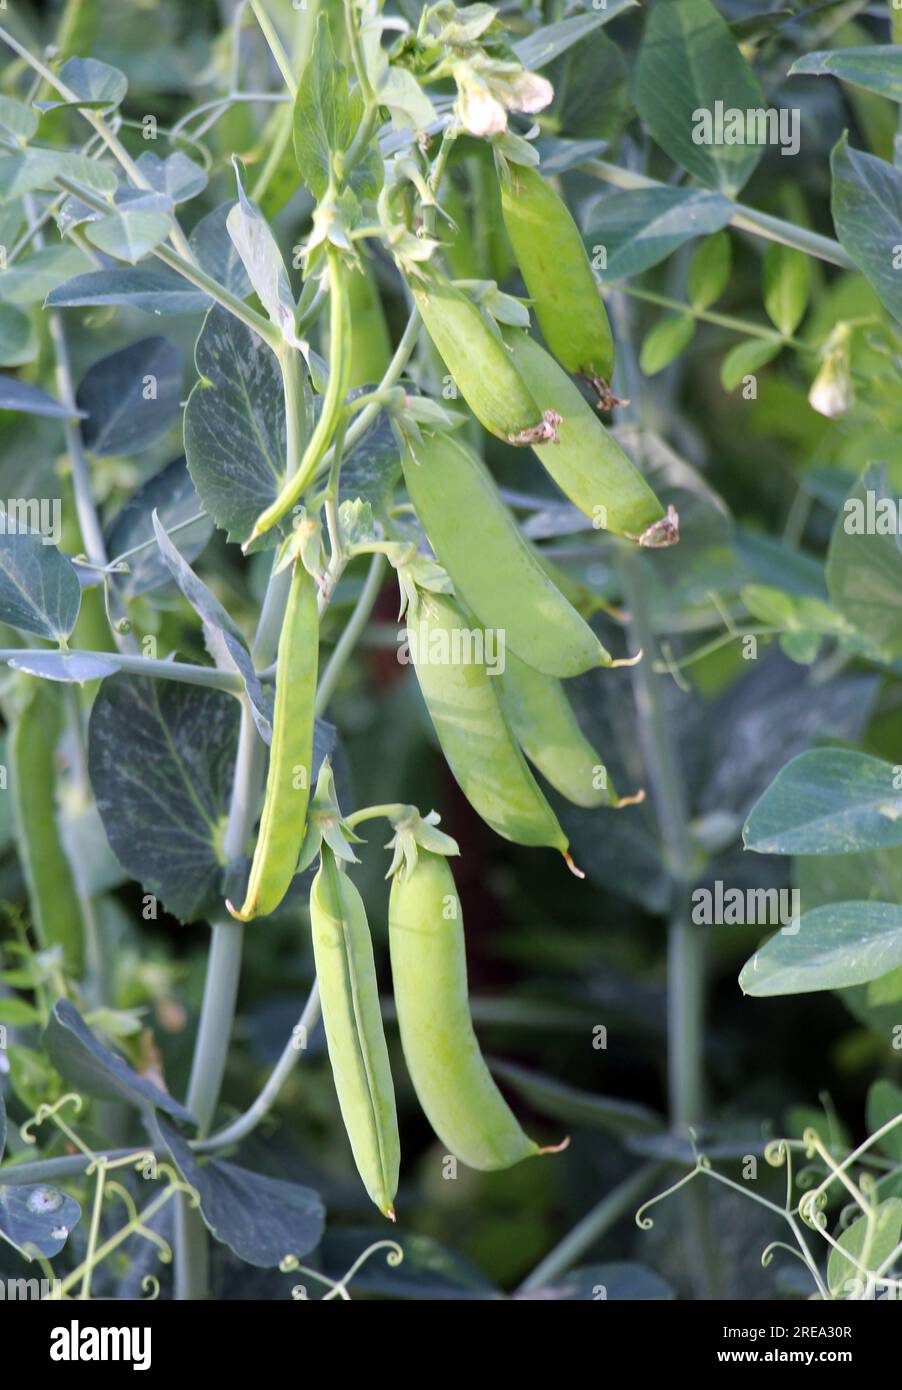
(494, 571)
(464, 706)
(587, 463)
(346, 972)
(539, 713)
(284, 819)
(429, 972)
(553, 261)
(479, 363)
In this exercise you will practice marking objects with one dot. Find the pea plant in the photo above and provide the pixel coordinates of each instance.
(552, 350)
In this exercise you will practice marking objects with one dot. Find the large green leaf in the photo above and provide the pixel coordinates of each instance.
(153, 291)
(131, 398)
(687, 64)
(235, 424)
(39, 588)
(327, 115)
(30, 280)
(129, 236)
(572, 1106)
(31, 400)
(638, 228)
(161, 756)
(864, 562)
(885, 1107)
(829, 948)
(828, 801)
(867, 210)
(36, 1220)
(172, 495)
(261, 257)
(876, 67)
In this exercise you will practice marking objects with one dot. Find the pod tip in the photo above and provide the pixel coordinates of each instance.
(574, 868)
(626, 660)
(635, 800)
(390, 1213)
(556, 1148)
(238, 913)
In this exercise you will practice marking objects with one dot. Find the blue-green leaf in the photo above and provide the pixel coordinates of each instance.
(131, 398)
(95, 84)
(31, 400)
(827, 801)
(18, 337)
(830, 947)
(877, 1238)
(867, 211)
(876, 67)
(170, 493)
(129, 236)
(540, 48)
(864, 562)
(689, 64)
(630, 231)
(39, 588)
(176, 176)
(153, 291)
(37, 1220)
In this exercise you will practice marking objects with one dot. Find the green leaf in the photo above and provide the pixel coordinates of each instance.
(549, 42)
(844, 1276)
(665, 342)
(235, 424)
(37, 1220)
(827, 801)
(262, 1219)
(21, 396)
(91, 1067)
(39, 588)
(129, 236)
(17, 1013)
(327, 115)
(161, 756)
(18, 337)
(864, 563)
(867, 211)
(875, 67)
(787, 285)
(31, 279)
(216, 254)
(152, 291)
(17, 121)
(687, 63)
(131, 398)
(885, 1105)
(176, 176)
(709, 270)
(830, 947)
(745, 359)
(261, 258)
(95, 84)
(572, 1106)
(616, 1282)
(172, 495)
(639, 227)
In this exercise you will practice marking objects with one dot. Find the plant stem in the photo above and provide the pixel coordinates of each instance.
(751, 330)
(348, 639)
(592, 1227)
(276, 47)
(749, 219)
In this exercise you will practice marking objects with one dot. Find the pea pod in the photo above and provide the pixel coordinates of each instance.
(587, 463)
(546, 728)
(284, 818)
(370, 344)
(52, 893)
(553, 261)
(494, 570)
(479, 747)
(429, 974)
(346, 973)
(480, 365)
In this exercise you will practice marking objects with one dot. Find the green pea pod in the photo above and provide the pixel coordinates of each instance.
(587, 464)
(481, 366)
(346, 973)
(284, 818)
(546, 728)
(370, 344)
(333, 403)
(429, 974)
(494, 570)
(479, 747)
(52, 893)
(553, 261)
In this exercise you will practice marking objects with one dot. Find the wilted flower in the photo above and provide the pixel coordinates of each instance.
(487, 91)
(831, 391)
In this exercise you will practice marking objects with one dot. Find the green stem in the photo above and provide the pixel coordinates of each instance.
(751, 330)
(276, 47)
(592, 1227)
(161, 670)
(349, 637)
(749, 219)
